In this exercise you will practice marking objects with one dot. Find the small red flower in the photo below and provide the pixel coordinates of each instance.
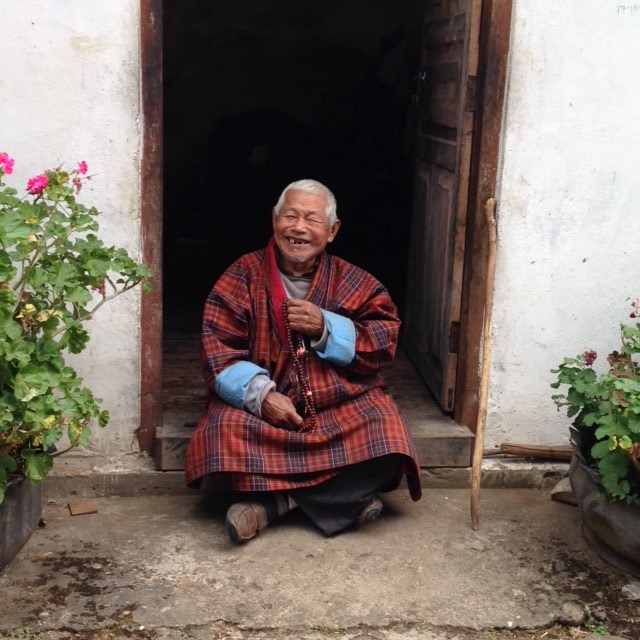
(6, 163)
(100, 288)
(589, 357)
(82, 167)
(36, 185)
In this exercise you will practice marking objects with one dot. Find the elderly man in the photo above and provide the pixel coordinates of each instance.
(293, 342)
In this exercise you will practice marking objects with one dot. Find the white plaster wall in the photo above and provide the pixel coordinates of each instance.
(568, 204)
(69, 91)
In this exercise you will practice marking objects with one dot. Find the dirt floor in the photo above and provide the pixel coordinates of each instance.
(162, 568)
(592, 630)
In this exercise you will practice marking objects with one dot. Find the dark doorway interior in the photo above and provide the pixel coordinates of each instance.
(258, 94)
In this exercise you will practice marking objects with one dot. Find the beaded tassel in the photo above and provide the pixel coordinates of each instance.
(299, 352)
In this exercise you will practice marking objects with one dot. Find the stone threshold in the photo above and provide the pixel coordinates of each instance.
(86, 479)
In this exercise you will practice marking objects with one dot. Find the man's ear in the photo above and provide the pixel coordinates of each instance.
(334, 231)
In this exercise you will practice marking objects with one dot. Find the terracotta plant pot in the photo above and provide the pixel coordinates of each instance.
(20, 513)
(612, 527)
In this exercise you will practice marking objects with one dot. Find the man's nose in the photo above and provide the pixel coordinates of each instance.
(300, 223)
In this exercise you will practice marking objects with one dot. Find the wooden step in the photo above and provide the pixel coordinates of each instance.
(440, 442)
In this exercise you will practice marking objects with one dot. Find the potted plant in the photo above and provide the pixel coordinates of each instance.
(55, 273)
(605, 471)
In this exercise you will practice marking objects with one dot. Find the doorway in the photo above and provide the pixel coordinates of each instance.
(257, 95)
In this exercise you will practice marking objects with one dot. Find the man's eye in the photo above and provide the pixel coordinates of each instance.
(290, 218)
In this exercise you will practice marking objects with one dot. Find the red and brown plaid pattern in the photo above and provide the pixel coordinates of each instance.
(357, 419)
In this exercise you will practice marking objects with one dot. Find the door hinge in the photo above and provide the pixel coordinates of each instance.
(471, 101)
(454, 337)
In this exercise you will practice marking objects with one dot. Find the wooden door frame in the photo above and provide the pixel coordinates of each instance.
(495, 29)
(491, 86)
(151, 224)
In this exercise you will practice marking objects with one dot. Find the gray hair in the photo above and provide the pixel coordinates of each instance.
(314, 188)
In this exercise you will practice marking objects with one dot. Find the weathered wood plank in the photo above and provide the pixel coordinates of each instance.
(151, 222)
(491, 84)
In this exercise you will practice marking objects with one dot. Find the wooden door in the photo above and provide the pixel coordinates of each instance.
(445, 104)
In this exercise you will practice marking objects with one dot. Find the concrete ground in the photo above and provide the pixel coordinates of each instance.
(161, 566)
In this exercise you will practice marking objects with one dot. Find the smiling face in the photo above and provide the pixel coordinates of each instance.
(301, 231)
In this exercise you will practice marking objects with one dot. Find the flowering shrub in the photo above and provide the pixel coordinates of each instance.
(606, 409)
(55, 273)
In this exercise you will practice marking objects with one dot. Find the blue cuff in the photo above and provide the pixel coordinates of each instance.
(341, 343)
(233, 382)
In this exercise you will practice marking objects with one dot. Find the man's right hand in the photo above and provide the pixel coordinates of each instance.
(278, 410)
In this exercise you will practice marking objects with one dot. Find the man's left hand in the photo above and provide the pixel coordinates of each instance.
(305, 318)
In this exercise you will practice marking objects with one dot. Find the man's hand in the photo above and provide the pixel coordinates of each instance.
(278, 410)
(305, 317)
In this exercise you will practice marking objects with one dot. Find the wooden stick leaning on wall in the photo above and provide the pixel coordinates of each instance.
(476, 468)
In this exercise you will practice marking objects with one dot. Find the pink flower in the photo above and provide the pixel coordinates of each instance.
(636, 309)
(36, 185)
(589, 357)
(6, 163)
(82, 167)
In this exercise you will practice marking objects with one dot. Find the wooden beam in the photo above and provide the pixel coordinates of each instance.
(151, 223)
(491, 86)
(544, 452)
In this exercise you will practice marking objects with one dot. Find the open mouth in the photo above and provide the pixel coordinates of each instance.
(297, 241)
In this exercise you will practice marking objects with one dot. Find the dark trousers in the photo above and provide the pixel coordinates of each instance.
(336, 503)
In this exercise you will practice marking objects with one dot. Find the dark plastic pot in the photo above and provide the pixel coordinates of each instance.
(612, 527)
(20, 513)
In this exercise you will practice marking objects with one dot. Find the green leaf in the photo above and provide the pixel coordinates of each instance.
(589, 420)
(50, 437)
(35, 379)
(16, 352)
(627, 385)
(98, 268)
(7, 270)
(3, 484)
(617, 488)
(103, 418)
(10, 330)
(8, 296)
(65, 275)
(79, 434)
(634, 424)
(8, 463)
(625, 442)
(613, 469)
(600, 449)
(37, 464)
(14, 226)
(78, 295)
(75, 338)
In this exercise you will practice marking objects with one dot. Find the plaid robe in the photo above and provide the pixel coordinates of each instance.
(356, 418)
